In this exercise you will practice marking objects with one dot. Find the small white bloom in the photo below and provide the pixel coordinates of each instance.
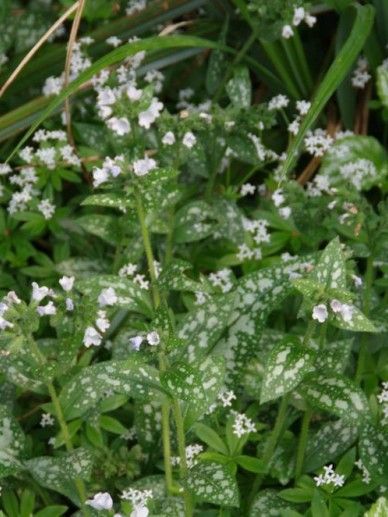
(287, 32)
(310, 20)
(285, 212)
(133, 93)
(303, 107)
(114, 41)
(278, 197)
(143, 166)
(67, 282)
(100, 176)
(320, 313)
(189, 140)
(120, 126)
(46, 208)
(299, 15)
(336, 306)
(168, 138)
(140, 511)
(101, 501)
(102, 322)
(38, 293)
(47, 420)
(136, 341)
(246, 189)
(108, 297)
(69, 304)
(153, 338)
(46, 310)
(92, 337)
(148, 117)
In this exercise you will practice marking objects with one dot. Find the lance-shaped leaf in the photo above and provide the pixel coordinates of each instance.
(12, 443)
(108, 199)
(267, 502)
(330, 271)
(335, 356)
(239, 88)
(59, 473)
(358, 322)
(382, 85)
(288, 363)
(194, 221)
(373, 448)
(174, 277)
(336, 394)
(184, 382)
(257, 295)
(213, 483)
(103, 226)
(322, 449)
(378, 509)
(147, 416)
(88, 387)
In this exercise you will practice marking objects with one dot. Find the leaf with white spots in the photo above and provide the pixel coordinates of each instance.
(12, 443)
(336, 394)
(288, 363)
(357, 323)
(330, 270)
(335, 356)
(184, 382)
(174, 277)
(239, 88)
(213, 483)
(129, 294)
(59, 473)
(108, 199)
(358, 160)
(257, 295)
(268, 503)
(378, 509)
(373, 449)
(158, 189)
(322, 449)
(103, 226)
(202, 327)
(194, 221)
(89, 386)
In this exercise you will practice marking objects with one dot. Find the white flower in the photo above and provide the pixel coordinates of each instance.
(92, 337)
(153, 338)
(143, 166)
(329, 477)
(246, 189)
(136, 341)
(128, 270)
(67, 282)
(101, 501)
(336, 306)
(299, 14)
(287, 32)
(320, 313)
(120, 126)
(69, 304)
(278, 197)
(357, 280)
(102, 323)
(114, 41)
(226, 397)
(108, 297)
(133, 93)
(310, 20)
(168, 138)
(140, 511)
(303, 107)
(293, 128)
(189, 140)
(100, 176)
(47, 420)
(38, 293)
(285, 212)
(46, 310)
(148, 117)
(46, 208)
(4, 324)
(242, 425)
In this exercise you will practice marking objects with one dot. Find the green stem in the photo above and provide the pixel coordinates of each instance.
(270, 445)
(367, 298)
(179, 422)
(61, 419)
(304, 431)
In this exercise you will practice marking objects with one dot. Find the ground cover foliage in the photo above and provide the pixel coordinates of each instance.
(194, 258)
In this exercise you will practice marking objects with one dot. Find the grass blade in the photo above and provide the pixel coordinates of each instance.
(333, 78)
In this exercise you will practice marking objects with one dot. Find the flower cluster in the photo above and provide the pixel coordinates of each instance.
(329, 477)
(222, 279)
(152, 338)
(242, 425)
(344, 310)
(300, 15)
(317, 142)
(361, 76)
(192, 451)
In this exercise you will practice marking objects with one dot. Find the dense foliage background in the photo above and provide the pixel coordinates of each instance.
(194, 258)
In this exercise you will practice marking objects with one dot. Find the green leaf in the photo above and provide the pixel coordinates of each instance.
(358, 323)
(92, 383)
(251, 464)
(378, 509)
(210, 437)
(213, 483)
(334, 76)
(12, 443)
(52, 511)
(318, 505)
(382, 85)
(268, 502)
(322, 449)
(115, 56)
(364, 153)
(103, 226)
(336, 394)
(109, 199)
(112, 425)
(184, 382)
(194, 221)
(335, 356)
(239, 88)
(330, 271)
(288, 363)
(59, 473)
(373, 449)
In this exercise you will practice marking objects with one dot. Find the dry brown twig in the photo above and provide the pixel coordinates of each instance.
(36, 47)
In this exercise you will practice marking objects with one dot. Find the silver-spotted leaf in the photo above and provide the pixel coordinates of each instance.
(213, 483)
(373, 449)
(184, 382)
(288, 363)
